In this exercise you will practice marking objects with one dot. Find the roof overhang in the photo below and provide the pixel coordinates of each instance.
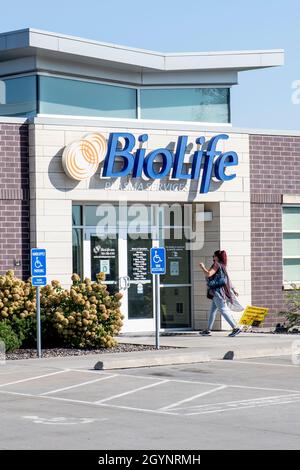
(47, 45)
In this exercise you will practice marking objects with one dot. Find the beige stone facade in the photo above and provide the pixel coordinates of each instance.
(52, 194)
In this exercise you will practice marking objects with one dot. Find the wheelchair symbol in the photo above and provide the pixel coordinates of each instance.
(38, 264)
(156, 258)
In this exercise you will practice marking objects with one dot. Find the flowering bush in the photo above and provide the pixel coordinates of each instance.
(84, 316)
(17, 298)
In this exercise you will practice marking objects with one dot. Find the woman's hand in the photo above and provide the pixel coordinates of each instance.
(235, 292)
(202, 266)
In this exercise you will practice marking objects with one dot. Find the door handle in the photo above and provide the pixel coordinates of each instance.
(124, 282)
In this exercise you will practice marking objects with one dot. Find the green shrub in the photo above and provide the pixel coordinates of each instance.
(9, 337)
(17, 306)
(292, 312)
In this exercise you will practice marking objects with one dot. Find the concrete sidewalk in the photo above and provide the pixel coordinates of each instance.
(192, 348)
(195, 348)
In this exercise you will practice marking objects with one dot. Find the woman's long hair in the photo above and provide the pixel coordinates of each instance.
(222, 256)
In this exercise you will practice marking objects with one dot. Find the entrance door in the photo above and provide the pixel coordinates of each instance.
(125, 260)
(175, 290)
(140, 291)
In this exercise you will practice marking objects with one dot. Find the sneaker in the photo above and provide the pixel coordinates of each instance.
(205, 333)
(235, 332)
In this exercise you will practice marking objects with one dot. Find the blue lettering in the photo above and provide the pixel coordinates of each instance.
(167, 160)
(124, 153)
(179, 159)
(197, 159)
(208, 162)
(225, 160)
(140, 163)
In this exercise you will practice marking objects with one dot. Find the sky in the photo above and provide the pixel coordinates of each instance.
(263, 99)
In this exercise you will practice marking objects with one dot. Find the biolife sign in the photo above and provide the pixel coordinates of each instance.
(82, 157)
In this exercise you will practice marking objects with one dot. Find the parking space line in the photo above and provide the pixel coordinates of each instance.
(245, 404)
(130, 391)
(255, 363)
(80, 384)
(131, 408)
(83, 402)
(208, 392)
(31, 395)
(35, 378)
(245, 401)
(217, 384)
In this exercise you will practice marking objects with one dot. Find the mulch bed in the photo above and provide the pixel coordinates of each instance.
(63, 352)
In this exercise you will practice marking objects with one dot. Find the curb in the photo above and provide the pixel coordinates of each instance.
(190, 356)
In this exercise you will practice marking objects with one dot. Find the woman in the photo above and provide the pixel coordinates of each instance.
(221, 294)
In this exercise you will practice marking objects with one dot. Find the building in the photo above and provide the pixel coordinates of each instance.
(92, 132)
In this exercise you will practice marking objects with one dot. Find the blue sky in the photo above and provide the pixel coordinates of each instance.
(261, 100)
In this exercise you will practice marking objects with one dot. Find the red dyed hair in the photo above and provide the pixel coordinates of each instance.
(222, 256)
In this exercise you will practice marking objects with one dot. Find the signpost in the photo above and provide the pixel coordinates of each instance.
(38, 275)
(158, 267)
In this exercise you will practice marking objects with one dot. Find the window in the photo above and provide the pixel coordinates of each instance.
(82, 98)
(291, 244)
(186, 104)
(18, 96)
(46, 94)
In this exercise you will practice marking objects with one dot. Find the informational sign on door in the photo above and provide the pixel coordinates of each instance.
(105, 266)
(174, 268)
(139, 257)
(140, 288)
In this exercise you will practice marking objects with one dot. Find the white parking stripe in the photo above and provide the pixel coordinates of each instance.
(80, 384)
(131, 391)
(208, 392)
(216, 384)
(238, 405)
(35, 378)
(30, 395)
(131, 408)
(256, 363)
(82, 402)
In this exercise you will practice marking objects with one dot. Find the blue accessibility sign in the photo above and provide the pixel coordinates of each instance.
(39, 281)
(158, 260)
(38, 262)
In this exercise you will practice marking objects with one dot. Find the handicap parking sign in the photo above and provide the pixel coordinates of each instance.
(158, 260)
(38, 262)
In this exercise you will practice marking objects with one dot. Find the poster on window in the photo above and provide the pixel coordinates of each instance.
(105, 266)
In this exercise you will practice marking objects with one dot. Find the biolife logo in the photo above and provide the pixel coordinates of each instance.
(82, 157)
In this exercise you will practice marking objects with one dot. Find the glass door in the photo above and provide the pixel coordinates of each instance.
(140, 292)
(175, 290)
(101, 254)
(125, 260)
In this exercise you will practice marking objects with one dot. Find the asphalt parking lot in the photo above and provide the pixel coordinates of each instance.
(249, 404)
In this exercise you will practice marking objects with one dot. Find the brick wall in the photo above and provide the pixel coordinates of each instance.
(274, 171)
(14, 198)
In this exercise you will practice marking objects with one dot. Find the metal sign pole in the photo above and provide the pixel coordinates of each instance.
(157, 310)
(38, 323)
